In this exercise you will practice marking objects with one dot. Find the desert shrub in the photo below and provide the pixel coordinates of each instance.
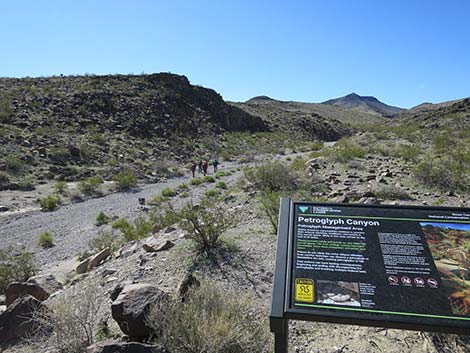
(196, 181)
(157, 200)
(70, 324)
(4, 178)
(221, 184)
(208, 179)
(408, 152)
(272, 176)
(392, 193)
(59, 155)
(205, 223)
(113, 162)
(89, 186)
(46, 240)
(125, 180)
(106, 239)
(346, 150)
(167, 192)
(14, 165)
(26, 185)
(270, 205)
(141, 228)
(183, 186)
(220, 174)
(298, 163)
(445, 175)
(49, 203)
(6, 109)
(212, 319)
(60, 187)
(102, 219)
(15, 266)
(211, 193)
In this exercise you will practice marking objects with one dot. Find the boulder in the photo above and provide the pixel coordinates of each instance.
(96, 259)
(48, 282)
(153, 244)
(124, 347)
(131, 306)
(129, 248)
(17, 290)
(17, 320)
(82, 267)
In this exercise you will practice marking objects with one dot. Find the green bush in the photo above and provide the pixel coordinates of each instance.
(89, 186)
(102, 219)
(273, 176)
(183, 186)
(167, 192)
(408, 152)
(157, 200)
(106, 239)
(205, 223)
(211, 193)
(221, 185)
(196, 181)
(59, 155)
(60, 187)
(392, 193)
(4, 179)
(346, 150)
(15, 266)
(270, 202)
(445, 175)
(221, 174)
(14, 165)
(125, 180)
(46, 240)
(49, 203)
(208, 179)
(211, 319)
(141, 228)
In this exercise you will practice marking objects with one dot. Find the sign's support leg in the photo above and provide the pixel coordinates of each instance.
(281, 338)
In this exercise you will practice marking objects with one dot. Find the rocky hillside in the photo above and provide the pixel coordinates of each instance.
(70, 125)
(454, 115)
(366, 104)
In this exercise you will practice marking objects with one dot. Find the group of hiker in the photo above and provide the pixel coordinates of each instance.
(203, 166)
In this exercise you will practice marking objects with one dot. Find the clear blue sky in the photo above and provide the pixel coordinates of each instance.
(403, 52)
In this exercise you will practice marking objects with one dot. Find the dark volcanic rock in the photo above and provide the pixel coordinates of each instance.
(131, 306)
(124, 347)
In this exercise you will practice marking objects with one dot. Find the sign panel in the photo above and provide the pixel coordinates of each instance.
(389, 266)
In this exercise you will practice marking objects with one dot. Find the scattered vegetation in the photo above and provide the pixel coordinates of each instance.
(212, 319)
(211, 193)
(125, 180)
(46, 240)
(102, 219)
(106, 239)
(140, 228)
(208, 179)
(60, 187)
(221, 185)
(14, 165)
(49, 203)
(196, 181)
(392, 193)
(90, 185)
(15, 266)
(445, 175)
(167, 192)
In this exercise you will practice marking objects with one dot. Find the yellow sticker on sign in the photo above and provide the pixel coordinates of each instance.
(304, 290)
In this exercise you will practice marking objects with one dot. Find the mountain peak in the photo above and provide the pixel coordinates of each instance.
(367, 104)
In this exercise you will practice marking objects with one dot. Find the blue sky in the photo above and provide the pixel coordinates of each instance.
(402, 52)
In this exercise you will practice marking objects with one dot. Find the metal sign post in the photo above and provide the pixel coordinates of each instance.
(371, 265)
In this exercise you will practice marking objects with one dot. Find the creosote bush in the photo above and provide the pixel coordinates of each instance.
(444, 174)
(46, 240)
(14, 165)
(49, 203)
(102, 219)
(90, 185)
(106, 239)
(140, 228)
(272, 176)
(60, 187)
(346, 150)
(211, 319)
(126, 179)
(167, 192)
(15, 266)
(196, 181)
(392, 193)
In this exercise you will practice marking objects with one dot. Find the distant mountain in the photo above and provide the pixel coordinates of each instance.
(366, 104)
(434, 106)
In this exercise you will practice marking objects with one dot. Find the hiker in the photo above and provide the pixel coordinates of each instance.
(215, 163)
(200, 166)
(193, 168)
(205, 165)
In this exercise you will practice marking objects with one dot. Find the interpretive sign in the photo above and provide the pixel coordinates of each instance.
(392, 266)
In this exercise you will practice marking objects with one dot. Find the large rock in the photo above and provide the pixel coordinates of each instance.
(153, 244)
(17, 290)
(188, 282)
(93, 261)
(124, 347)
(132, 305)
(17, 321)
(48, 282)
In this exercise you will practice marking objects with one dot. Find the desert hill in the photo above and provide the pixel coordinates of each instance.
(366, 104)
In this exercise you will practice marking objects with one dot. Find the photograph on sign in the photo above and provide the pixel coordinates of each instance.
(396, 263)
